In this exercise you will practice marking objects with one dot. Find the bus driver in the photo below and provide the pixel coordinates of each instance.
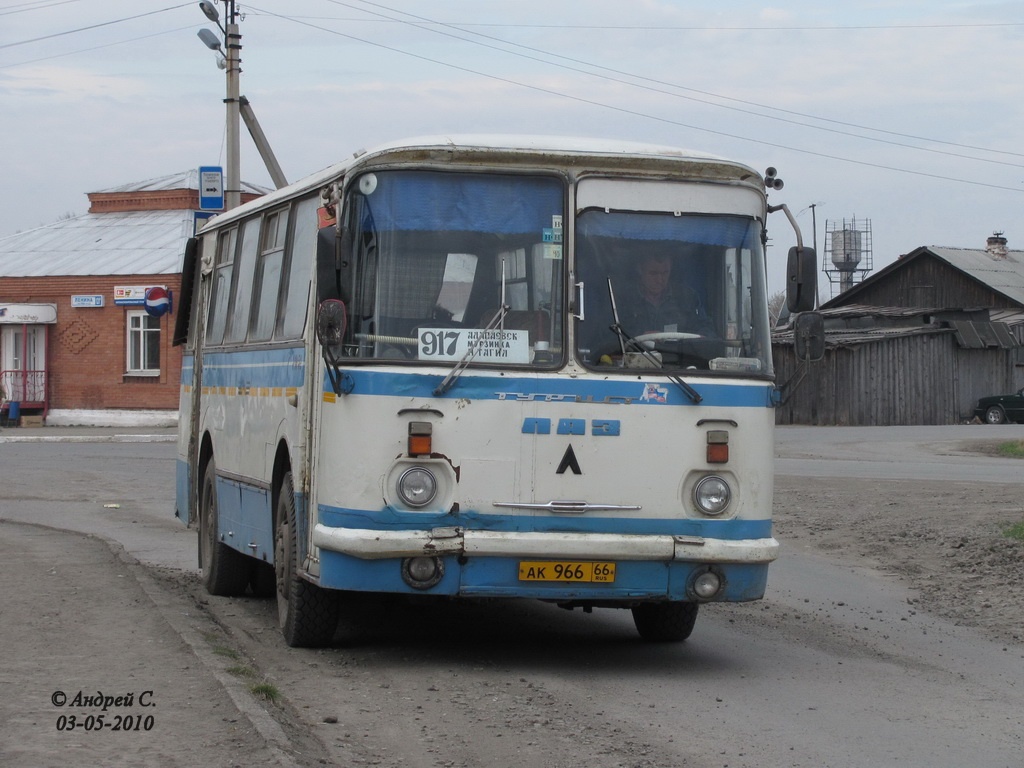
(654, 305)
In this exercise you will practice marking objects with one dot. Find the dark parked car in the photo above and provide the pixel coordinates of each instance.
(1000, 409)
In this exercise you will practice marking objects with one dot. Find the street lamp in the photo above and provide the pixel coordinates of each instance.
(211, 12)
(231, 63)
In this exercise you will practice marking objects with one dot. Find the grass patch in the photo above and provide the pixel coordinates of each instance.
(241, 671)
(265, 691)
(1015, 532)
(1013, 450)
(230, 653)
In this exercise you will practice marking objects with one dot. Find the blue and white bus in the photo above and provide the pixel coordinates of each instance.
(423, 371)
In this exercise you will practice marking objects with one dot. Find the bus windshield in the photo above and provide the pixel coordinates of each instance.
(445, 264)
(673, 291)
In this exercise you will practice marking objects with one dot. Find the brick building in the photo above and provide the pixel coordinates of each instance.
(77, 342)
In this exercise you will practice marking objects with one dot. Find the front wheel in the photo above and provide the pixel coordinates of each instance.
(665, 622)
(307, 614)
(995, 415)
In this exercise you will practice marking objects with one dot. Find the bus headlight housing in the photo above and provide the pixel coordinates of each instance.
(417, 486)
(705, 584)
(712, 495)
(420, 485)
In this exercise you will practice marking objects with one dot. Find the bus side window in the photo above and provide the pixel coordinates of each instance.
(301, 253)
(264, 311)
(238, 322)
(222, 273)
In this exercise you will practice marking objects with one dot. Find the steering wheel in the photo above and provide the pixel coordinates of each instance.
(668, 336)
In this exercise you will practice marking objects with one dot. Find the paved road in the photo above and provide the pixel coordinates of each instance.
(896, 453)
(836, 668)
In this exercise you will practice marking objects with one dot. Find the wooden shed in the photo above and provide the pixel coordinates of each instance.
(917, 343)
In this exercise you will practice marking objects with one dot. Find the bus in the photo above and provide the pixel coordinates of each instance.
(428, 371)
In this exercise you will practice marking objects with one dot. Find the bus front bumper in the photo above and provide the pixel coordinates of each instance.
(367, 544)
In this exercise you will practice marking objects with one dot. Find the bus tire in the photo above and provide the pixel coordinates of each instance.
(225, 571)
(307, 614)
(665, 622)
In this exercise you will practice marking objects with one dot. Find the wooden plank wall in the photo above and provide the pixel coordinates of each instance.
(904, 380)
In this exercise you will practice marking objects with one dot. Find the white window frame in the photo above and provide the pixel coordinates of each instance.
(136, 337)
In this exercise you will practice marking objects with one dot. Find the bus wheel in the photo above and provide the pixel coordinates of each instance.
(665, 622)
(306, 614)
(225, 570)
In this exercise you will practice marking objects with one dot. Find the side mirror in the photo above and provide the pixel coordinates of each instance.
(332, 264)
(809, 336)
(801, 279)
(331, 323)
(189, 285)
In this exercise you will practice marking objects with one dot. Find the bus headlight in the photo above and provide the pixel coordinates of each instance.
(417, 486)
(712, 495)
(705, 584)
(422, 572)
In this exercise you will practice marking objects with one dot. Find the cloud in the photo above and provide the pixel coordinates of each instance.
(67, 84)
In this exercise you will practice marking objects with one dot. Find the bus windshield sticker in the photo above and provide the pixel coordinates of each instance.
(492, 346)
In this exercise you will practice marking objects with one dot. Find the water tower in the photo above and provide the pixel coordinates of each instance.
(847, 256)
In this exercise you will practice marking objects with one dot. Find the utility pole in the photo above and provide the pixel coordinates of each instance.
(232, 64)
(237, 105)
(814, 225)
(233, 58)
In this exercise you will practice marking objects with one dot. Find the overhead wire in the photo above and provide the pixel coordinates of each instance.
(729, 98)
(429, 24)
(36, 6)
(96, 47)
(91, 26)
(635, 113)
(691, 98)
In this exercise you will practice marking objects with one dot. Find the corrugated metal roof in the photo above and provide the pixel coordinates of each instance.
(130, 243)
(182, 180)
(1004, 274)
(109, 243)
(972, 335)
(846, 338)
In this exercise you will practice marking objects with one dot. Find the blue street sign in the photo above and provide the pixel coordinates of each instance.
(211, 188)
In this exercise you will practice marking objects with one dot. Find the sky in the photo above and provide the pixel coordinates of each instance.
(900, 119)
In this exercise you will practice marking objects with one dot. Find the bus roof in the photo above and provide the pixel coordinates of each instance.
(499, 145)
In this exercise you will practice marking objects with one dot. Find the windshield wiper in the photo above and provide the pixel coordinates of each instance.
(496, 321)
(626, 340)
(467, 358)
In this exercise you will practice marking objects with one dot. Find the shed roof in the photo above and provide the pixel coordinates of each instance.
(128, 243)
(121, 240)
(182, 180)
(1004, 273)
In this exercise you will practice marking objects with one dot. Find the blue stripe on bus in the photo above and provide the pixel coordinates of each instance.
(499, 577)
(250, 368)
(390, 519)
(286, 368)
(556, 388)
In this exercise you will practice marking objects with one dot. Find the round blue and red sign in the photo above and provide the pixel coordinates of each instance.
(158, 301)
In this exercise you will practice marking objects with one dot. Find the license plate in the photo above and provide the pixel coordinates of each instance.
(566, 570)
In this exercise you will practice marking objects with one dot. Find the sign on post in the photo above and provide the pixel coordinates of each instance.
(211, 188)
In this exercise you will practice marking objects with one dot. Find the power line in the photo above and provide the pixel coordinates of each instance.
(36, 6)
(692, 90)
(95, 47)
(700, 100)
(92, 26)
(591, 102)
